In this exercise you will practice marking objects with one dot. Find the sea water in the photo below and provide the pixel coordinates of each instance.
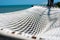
(12, 8)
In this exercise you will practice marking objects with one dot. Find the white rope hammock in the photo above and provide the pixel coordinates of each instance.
(30, 24)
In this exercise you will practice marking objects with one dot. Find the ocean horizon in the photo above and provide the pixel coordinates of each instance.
(12, 8)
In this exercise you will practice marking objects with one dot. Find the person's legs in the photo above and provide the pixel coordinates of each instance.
(50, 3)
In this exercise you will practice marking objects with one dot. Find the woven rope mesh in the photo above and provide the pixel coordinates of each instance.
(28, 22)
(31, 21)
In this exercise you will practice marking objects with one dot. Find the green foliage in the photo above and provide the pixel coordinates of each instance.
(57, 4)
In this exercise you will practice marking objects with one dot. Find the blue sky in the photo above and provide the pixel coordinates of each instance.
(23, 2)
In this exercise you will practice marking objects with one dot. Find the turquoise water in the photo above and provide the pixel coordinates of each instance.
(11, 8)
